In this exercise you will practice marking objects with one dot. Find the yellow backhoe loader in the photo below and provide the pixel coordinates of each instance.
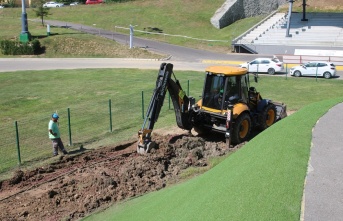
(228, 105)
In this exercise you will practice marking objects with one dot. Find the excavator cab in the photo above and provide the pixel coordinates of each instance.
(221, 89)
(225, 92)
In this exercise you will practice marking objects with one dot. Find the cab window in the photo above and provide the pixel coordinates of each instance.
(214, 84)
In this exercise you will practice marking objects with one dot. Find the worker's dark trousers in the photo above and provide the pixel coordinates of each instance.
(57, 143)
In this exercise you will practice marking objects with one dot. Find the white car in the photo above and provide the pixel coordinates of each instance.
(267, 65)
(74, 3)
(314, 68)
(2, 6)
(52, 5)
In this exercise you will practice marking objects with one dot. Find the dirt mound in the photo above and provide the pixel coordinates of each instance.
(75, 186)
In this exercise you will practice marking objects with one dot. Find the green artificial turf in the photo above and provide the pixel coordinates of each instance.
(264, 180)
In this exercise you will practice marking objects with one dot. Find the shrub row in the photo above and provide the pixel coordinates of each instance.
(9, 47)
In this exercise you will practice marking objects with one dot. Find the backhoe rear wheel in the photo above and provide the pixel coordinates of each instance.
(241, 129)
(267, 117)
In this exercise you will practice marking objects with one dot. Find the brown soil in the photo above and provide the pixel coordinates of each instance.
(75, 186)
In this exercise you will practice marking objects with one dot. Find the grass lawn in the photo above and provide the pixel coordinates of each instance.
(177, 17)
(144, 15)
(262, 181)
(30, 97)
(66, 43)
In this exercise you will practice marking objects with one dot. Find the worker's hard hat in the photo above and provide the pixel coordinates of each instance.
(54, 115)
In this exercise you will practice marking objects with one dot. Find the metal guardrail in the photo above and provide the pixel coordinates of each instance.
(300, 59)
(164, 34)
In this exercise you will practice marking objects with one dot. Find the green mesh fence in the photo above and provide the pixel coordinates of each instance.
(89, 127)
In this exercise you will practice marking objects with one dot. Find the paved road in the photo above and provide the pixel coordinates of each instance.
(16, 64)
(177, 53)
(21, 64)
(324, 182)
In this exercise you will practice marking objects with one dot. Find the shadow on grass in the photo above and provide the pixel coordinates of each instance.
(78, 151)
(42, 36)
(53, 34)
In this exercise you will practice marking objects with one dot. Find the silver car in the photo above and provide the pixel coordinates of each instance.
(314, 68)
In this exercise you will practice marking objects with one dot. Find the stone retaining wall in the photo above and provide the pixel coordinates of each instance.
(233, 10)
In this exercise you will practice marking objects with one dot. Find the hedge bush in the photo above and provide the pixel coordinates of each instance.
(9, 47)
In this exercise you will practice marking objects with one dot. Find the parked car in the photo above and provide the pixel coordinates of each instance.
(90, 2)
(314, 68)
(2, 6)
(267, 65)
(74, 3)
(52, 5)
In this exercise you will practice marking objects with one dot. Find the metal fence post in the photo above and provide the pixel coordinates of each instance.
(110, 110)
(69, 126)
(168, 101)
(17, 141)
(131, 36)
(188, 88)
(143, 104)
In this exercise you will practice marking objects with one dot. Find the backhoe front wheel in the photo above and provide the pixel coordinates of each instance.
(241, 129)
(267, 117)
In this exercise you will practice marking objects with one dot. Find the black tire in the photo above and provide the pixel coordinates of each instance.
(327, 75)
(267, 117)
(271, 71)
(297, 74)
(241, 129)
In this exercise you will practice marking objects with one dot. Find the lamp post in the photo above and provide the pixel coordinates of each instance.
(304, 11)
(131, 36)
(289, 18)
(25, 34)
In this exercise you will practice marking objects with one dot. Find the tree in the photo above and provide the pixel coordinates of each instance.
(41, 11)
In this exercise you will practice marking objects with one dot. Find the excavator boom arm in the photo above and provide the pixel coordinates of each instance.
(180, 101)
